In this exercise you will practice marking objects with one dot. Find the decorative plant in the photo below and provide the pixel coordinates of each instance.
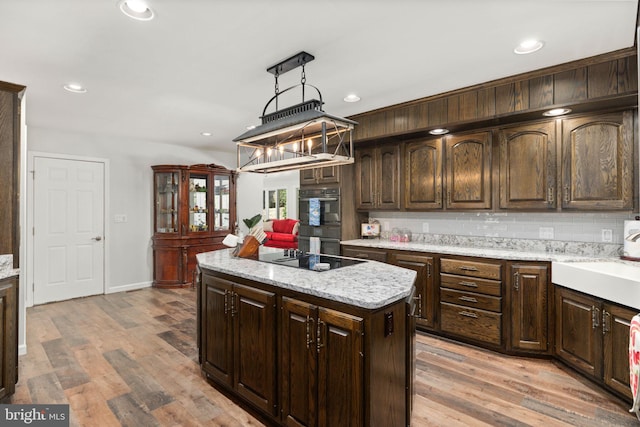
(252, 222)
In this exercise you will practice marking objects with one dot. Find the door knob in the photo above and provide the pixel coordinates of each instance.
(97, 238)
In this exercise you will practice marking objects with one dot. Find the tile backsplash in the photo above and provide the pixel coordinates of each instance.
(565, 227)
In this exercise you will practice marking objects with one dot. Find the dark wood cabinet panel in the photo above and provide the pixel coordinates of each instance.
(423, 178)
(578, 336)
(602, 79)
(378, 177)
(528, 165)
(570, 86)
(528, 289)
(10, 113)
(324, 175)
(8, 336)
(254, 328)
(340, 369)
(299, 373)
(365, 253)
(238, 339)
(512, 97)
(540, 92)
(468, 171)
(616, 322)
(592, 335)
(597, 162)
(423, 265)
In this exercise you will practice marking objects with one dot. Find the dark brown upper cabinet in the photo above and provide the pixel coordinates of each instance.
(423, 174)
(597, 162)
(325, 175)
(378, 177)
(468, 171)
(528, 165)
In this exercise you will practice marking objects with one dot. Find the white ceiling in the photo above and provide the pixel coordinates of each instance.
(200, 65)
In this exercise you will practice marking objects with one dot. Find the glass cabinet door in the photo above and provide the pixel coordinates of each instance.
(166, 202)
(221, 202)
(198, 203)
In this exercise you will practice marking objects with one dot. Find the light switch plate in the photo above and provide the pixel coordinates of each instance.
(607, 235)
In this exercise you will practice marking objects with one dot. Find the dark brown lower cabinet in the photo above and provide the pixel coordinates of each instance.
(528, 285)
(423, 264)
(592, 336)
(9, 337)
(238, 340)
(315, 363)
(322, 366)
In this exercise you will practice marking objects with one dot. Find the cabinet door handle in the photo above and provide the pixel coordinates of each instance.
(468, 314)
(362, 256)
(550, 195)
(428, 270)
(468, 268)
(226, 302)
(606, 322)
(233, 303)
(319, 343)
(468, 284)
(418, 300)
(595, 317)
(309, 329)
(468, 299)
(566, 194)
(516, 282)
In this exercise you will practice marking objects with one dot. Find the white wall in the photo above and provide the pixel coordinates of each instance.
(129, 254)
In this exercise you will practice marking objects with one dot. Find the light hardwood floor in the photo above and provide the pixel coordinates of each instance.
(130, 359)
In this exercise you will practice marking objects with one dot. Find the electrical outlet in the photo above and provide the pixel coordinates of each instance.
(545, 232)
(425, 227)
(120, 218)
(607, 235)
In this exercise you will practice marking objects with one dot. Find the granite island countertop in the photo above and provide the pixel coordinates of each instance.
(6, 267)
(368, 285)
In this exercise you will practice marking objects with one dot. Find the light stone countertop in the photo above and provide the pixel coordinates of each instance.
(368, 285)
(504, 249)
(6, 267)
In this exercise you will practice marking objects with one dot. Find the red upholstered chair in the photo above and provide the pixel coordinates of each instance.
(281, 233)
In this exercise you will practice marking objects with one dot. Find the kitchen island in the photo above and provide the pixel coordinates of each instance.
(305, 347)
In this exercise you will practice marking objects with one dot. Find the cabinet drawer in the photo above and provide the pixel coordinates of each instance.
(471, 299)
(364, 253)
(471, 268)
(471, 284)
(479, 325)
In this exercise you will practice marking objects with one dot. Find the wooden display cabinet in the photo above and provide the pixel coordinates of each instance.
(194, 209)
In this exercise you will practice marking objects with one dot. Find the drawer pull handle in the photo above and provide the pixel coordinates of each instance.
(362, 256)
(468, 314)
(468, 268)
(467, 299)
(469, 284)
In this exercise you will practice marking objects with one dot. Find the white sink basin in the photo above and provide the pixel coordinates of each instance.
(615, 281)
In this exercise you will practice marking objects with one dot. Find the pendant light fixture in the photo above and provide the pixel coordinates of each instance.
(301, 136)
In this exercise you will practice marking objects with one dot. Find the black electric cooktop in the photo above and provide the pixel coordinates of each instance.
(298, 259)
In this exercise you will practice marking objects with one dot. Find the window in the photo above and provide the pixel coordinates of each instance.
(274, 204)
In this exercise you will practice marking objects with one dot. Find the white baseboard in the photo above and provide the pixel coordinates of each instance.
(129, 287)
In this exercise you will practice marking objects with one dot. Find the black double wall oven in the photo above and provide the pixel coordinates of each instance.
(328, 230)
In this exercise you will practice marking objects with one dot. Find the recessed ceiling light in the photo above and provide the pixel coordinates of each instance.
(206, 133)
(557, 112)
(528, 46)
(75, 88)
(136, 9)
(352, 97)
(438, 131)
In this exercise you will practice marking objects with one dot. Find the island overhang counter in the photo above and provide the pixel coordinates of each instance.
(305, 347)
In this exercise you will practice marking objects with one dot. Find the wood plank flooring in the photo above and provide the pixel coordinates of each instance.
(130, 359)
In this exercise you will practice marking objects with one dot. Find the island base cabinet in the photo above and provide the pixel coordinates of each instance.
(592, 336)
(238, 340)
(322, 367)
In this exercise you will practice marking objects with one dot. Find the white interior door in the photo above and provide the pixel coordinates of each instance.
(68, 233)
